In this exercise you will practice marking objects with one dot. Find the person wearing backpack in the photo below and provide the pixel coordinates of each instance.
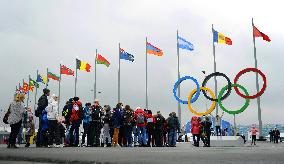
(140, 117)
(14, 118)
(174, 128)
(41, 105)
(96, 124)
(159, 129)
(75, 120)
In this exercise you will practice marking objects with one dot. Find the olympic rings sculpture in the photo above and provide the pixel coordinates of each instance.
(194, 94)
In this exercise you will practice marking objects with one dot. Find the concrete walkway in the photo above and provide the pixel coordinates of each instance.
(184, 153)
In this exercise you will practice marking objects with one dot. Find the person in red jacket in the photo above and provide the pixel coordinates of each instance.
(75, 119)
(195, 130)
(141, 121)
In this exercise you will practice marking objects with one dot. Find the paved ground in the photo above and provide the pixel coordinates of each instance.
(183, 153)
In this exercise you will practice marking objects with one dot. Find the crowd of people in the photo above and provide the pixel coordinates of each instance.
(274, 135)
(102, 126)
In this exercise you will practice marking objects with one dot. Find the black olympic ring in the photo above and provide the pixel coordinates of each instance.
(217, 74)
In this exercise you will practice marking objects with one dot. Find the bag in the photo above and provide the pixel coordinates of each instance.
(6, 116)
(37, 112)
(140, 119)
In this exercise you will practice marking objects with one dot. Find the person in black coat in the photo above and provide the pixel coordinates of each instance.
(206, 131)
(41, 105)
(96, 124)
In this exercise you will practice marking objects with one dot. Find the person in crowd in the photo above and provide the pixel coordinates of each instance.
(16, 110)
(135, 135)
(253, 131)
(116, 123)
(75, 119)
(271, 139)
(66, 113)
(276, 135)
(41, 105)
(206, 131)
(121, 135)
(128, 123)
(106, 126)
(218, 124)
(150, 129)
(61, 130)
(174, 128)
(30, 130)
(96, 124)
(52, 116)
(160, 122)
(86, 122)
(195, 130)
(141, 121)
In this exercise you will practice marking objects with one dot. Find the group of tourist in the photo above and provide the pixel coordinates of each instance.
(274, 135)
(103, 126)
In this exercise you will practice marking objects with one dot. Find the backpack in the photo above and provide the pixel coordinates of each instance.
(140, 118)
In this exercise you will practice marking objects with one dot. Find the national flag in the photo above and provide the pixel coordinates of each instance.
(126, 56)
(31, 88)
(66, 71)
(83, 66)
(41, 79)
(26, 87)
(33, 83)
(184, 44)
(153, 50)
(257, 33)
(221, 38)
(102, 60)
(53, 76)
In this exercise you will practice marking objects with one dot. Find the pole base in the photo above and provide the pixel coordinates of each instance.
(261, 138)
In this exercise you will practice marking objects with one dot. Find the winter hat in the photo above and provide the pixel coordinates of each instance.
(76, 98)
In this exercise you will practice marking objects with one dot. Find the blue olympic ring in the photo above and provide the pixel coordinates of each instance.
(195, 97)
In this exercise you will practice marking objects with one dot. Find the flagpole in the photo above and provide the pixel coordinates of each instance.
(35, 92)
(146, 106)
(28, 92)
(46, 78)
(76, 79)
(215, 78)
(118, 101)
(257, 88)
(59, 87)
(179, 107)
(95, 86)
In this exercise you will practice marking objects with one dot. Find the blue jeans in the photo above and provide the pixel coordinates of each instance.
(141, 135)
(128, 135)
(135, 134)
(172, 137)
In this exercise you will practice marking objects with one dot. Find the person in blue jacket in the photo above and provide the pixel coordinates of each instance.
(86, 122)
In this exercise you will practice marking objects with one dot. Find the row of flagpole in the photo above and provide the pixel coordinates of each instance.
(146, 75)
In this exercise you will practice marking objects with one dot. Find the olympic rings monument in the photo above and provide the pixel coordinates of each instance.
(217, 100)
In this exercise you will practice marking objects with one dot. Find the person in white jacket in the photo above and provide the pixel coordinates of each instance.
(52, 116)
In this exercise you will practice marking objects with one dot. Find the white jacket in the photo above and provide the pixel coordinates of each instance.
(52, 109)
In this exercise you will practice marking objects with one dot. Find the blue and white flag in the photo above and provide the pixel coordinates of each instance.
(126, 56)
(183, 44)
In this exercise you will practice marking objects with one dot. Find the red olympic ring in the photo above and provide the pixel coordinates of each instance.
(249, 70)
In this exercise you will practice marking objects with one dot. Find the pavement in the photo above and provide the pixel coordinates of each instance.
(264, 152)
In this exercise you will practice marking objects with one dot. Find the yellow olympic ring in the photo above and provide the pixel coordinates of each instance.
(211, 107)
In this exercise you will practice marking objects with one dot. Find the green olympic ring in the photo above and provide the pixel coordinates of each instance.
(233, 111)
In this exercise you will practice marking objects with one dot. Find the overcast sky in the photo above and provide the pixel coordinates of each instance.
(35, 35)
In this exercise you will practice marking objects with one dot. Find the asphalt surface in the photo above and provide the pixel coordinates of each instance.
(183, 153)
